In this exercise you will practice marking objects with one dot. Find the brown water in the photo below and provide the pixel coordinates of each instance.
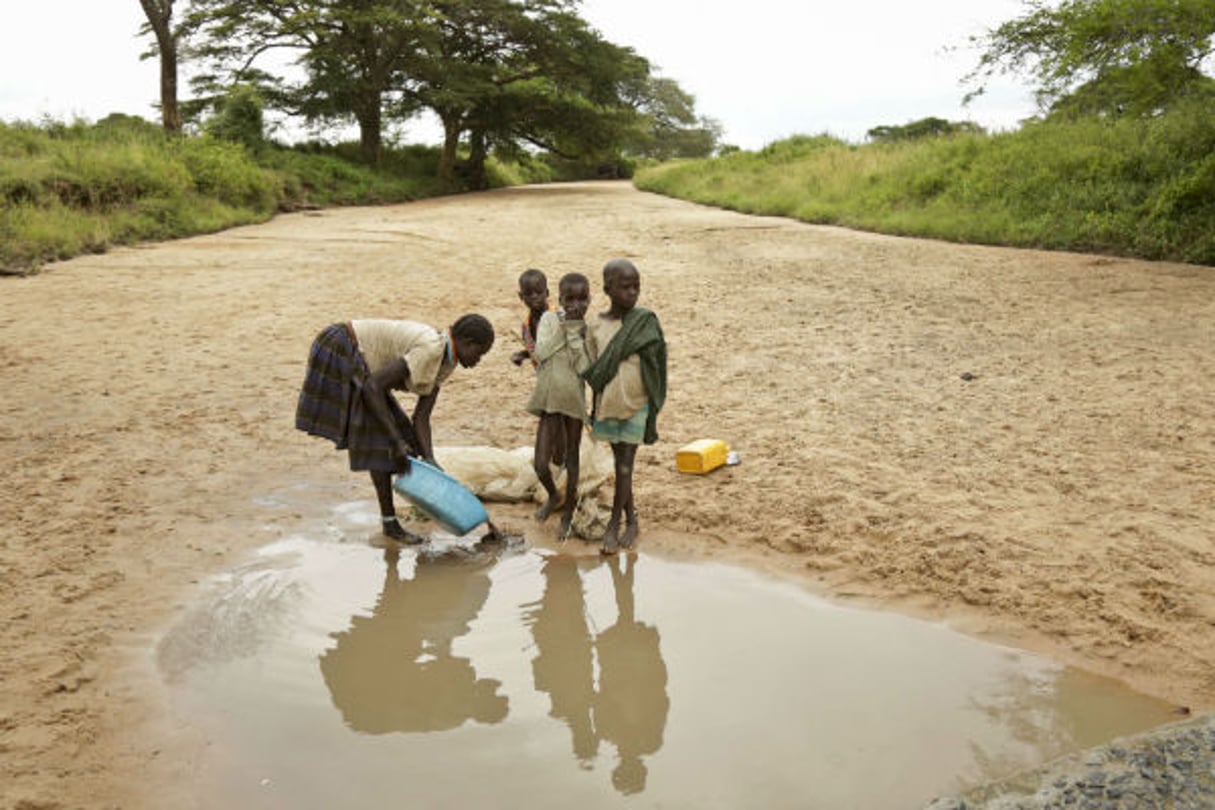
(330, 674)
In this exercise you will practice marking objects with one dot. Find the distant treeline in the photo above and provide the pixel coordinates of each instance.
(1135, 187)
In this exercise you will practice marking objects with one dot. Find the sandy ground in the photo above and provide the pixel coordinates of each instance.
(1019, 443)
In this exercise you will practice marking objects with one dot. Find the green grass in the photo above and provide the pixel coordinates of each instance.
(68, 189)
(1126, 187)
(80, 188)
(1142, 189)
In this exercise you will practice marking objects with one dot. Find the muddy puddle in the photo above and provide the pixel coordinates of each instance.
(329, 672)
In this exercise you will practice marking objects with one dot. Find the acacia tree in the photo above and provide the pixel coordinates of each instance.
(354, 55)
(517, 73)
(670, 127)
(508, 74)
(1113, 57)
(160, 24)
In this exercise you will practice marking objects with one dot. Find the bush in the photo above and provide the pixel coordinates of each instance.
(1125, 186)
(238, 118)
(224, 171)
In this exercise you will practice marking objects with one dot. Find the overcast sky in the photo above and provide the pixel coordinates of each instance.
(765, 69)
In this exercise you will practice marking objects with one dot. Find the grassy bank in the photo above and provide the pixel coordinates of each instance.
(80, 188)
(1142, 189)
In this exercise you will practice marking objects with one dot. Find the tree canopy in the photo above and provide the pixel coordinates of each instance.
(1112, 57)
(923, 128)
(502, 74)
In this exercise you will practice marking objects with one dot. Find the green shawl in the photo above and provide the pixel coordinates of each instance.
(641, 335)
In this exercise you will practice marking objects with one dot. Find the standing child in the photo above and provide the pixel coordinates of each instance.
(628, 374)
(559, 398)
(533, 292)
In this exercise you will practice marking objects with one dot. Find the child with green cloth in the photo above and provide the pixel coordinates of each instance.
(628, 374)
(559, 398)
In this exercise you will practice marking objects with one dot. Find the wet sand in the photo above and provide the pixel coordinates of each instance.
(1018, 443)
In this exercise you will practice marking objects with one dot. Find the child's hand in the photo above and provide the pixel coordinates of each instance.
(401, 451)
(518, 357)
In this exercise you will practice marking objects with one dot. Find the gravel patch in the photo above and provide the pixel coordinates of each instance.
(1170, 767)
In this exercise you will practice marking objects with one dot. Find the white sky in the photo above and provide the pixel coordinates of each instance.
(765, 69)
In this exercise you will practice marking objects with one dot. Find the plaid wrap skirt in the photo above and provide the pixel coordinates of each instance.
(331, 403)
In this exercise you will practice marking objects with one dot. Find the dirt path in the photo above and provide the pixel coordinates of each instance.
(1018, 442)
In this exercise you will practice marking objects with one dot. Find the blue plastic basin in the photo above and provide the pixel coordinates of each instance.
(443, 498)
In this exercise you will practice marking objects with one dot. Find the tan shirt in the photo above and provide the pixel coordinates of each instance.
(625, 395)
(423, 348)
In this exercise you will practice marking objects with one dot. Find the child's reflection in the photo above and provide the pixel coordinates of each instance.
(394, 671)
(563, 663)
(629, 708)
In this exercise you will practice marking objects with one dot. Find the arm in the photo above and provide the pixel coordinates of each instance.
(575, 338)
(549, 337)
(376, 390)
(421, 425)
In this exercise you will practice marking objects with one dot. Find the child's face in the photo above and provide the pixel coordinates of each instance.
(534, 294)
(623, 289)
(575, 298)
(469, 353)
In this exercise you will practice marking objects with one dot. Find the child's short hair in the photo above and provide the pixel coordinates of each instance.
(475, 329)
(615, 267)
(531, 274)
(570, 279)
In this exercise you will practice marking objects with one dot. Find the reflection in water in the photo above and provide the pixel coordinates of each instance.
(563, 663)
(629, 709)
(394, 670)
(562, 640)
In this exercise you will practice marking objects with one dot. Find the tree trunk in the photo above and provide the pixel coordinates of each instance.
(370, 118)
(170, 115)
(160, 19)
(476, 161)
(451, 143)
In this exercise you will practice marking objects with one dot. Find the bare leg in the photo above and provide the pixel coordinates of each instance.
(389, 525)
(572, 435)
(547, 431)
(629, 537)
(557, 453)
(623, 495)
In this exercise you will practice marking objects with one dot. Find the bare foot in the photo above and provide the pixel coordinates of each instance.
(397, 532)
(611, 543)
(547, 508)
(630, 535)
(563, 531)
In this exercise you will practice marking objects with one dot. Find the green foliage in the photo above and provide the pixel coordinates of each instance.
(67, 189)
(1113, 57)
(238, 117)
(502, 76)
(669, 127)
(355, 56)
(223, 171)
(798, 146)
(1142, 188)
(923, 128)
